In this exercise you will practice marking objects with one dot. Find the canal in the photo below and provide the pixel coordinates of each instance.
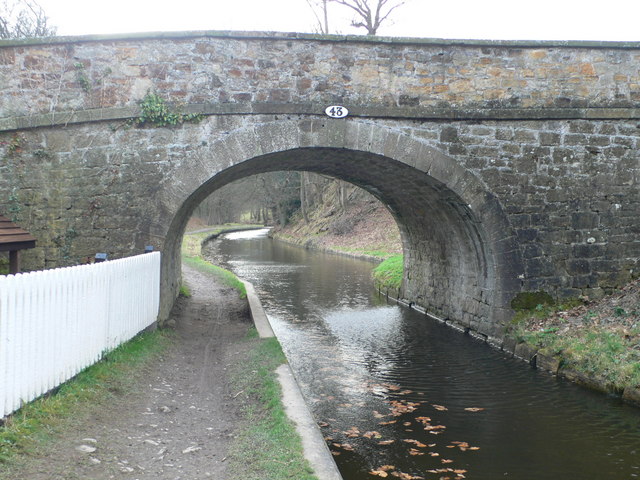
(398, 395)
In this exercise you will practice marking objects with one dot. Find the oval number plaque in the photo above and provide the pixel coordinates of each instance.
(336, 111)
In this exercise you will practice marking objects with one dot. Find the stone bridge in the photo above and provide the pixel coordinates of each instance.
(510, 167)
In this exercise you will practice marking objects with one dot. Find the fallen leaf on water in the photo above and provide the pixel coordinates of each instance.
(474, 409)
(429, 428)
(415, 442)
(372, 434)
(406, 476)
(335, 454)
(400, 407)
(387, 423)
(413, 451)
(406, 424)
(434, 454)
(344, 446)
(377, 414)
(353, 432)
(464, 446)
(386, 468)
(445, 460)
(379, 473)
(386, 442)
(440, 408)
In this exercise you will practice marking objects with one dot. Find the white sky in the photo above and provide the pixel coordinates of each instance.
(462, 19)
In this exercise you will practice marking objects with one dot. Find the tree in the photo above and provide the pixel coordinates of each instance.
(370, 13)
(22, 19)
(319, 9)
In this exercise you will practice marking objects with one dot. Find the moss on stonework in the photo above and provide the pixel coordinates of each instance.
(530, 300)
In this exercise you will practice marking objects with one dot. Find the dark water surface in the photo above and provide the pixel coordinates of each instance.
(391, 388)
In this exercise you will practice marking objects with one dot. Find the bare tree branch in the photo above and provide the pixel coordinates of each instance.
(369, 14)
(322, 23)
(23, 18)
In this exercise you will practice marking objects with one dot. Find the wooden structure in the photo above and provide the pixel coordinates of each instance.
(12, 240)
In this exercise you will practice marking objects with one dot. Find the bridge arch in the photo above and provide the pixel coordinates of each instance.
(461, 260)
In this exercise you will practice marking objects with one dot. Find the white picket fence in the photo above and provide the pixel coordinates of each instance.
(55, 323)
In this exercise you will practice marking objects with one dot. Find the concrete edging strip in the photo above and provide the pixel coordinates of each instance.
(257, 312)
(315, 449)
(314, 446)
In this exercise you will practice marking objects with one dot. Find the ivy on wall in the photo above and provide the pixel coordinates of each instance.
(156, 113)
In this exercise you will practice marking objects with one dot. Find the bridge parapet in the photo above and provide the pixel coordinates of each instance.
(429, 78)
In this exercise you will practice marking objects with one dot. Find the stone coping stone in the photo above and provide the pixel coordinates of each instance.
(292, 36)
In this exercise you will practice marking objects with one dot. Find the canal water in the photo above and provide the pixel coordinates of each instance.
(398, 395)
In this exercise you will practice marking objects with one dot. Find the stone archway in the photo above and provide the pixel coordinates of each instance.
(461, 260)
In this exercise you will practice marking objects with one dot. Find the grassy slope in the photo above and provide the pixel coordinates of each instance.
(389, 273)
(364, 229)
(600, 339)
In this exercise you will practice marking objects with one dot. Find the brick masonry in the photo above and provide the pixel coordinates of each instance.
(509, 167)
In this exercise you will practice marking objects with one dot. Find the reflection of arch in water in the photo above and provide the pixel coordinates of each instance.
(461, 260)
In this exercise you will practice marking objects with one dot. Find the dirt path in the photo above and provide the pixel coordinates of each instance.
(177, 421)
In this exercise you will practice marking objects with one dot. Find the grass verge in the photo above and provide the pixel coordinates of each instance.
(192, 256)
(224, 276)
(33, 425)
(600, 339)
(367, 253)
(606, 354)
(192, 242)
(389, 273)
(268, 446)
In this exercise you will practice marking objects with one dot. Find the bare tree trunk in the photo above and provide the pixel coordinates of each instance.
(326, 16)
(303, 196)
(341, 191)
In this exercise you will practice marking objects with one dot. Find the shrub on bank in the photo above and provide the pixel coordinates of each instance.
(388, 274)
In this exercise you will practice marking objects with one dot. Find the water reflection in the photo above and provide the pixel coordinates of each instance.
(392, 388)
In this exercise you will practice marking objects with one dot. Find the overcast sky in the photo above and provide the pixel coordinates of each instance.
(462, 19)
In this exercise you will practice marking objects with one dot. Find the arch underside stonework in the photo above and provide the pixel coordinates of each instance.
(461, 260)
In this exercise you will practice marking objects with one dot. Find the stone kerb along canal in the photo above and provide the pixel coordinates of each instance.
(398, 395)
(509, 166)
